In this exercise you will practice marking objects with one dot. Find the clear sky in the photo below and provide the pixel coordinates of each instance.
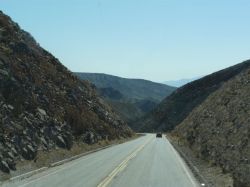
(157, 40)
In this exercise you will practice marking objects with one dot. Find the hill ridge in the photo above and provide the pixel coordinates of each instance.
(131, 98)
(175, 108)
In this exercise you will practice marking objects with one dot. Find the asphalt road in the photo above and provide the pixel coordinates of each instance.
(145, 162)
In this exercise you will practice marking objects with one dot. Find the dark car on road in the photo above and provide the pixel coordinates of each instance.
(159, 135)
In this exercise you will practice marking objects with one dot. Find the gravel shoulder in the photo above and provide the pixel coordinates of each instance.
(211, 176)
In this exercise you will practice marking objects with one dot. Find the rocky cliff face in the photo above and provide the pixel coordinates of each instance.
(219, 129)
(176, 107)
(42, 104)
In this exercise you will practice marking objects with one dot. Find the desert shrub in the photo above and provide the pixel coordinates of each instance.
(77, 121)
(13, 94)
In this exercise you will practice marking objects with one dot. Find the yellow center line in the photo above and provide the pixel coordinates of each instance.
(105, 182)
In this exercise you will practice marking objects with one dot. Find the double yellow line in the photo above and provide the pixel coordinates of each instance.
(105, 182)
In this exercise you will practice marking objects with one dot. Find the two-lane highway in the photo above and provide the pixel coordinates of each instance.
(144, 162)
(157, 165)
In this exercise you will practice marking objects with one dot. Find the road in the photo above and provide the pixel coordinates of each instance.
(144, 162)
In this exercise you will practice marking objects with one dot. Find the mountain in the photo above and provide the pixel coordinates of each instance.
(176, 107)
(180, 82)
(130, 98)
(130, 88)
(212, 116)
(42, 104)
(218, 130)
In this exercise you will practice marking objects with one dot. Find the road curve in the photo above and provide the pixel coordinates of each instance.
(144, 162)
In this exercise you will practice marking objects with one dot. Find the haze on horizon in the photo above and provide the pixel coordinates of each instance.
(158, 40)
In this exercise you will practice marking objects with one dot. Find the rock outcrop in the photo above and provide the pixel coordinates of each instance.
(42, 104)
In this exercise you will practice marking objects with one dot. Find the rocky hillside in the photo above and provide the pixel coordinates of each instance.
(218, 130)
(130, 98)
(176, 107)
(42, 104)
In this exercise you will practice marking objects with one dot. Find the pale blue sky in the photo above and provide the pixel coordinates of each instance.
(157, 40)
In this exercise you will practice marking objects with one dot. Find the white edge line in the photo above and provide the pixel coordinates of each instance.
(184, 166)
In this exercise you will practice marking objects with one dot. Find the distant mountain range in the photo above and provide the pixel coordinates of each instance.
(180, 82)
(131, 98)
(130, 88)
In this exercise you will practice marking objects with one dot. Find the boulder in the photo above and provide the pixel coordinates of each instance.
(89, 138)
(14, 151)
(44, 141)
(3, 72)
(28, 152)
(1, 62)
(11, 164)
(60, 141)
(68, 138)
(4, 166)
(41, 111)
(10, 107)
(10, 155)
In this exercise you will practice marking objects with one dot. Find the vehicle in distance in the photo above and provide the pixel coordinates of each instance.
(159, 135)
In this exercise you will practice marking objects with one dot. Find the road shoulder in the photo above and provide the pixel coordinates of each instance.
(210, 176)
